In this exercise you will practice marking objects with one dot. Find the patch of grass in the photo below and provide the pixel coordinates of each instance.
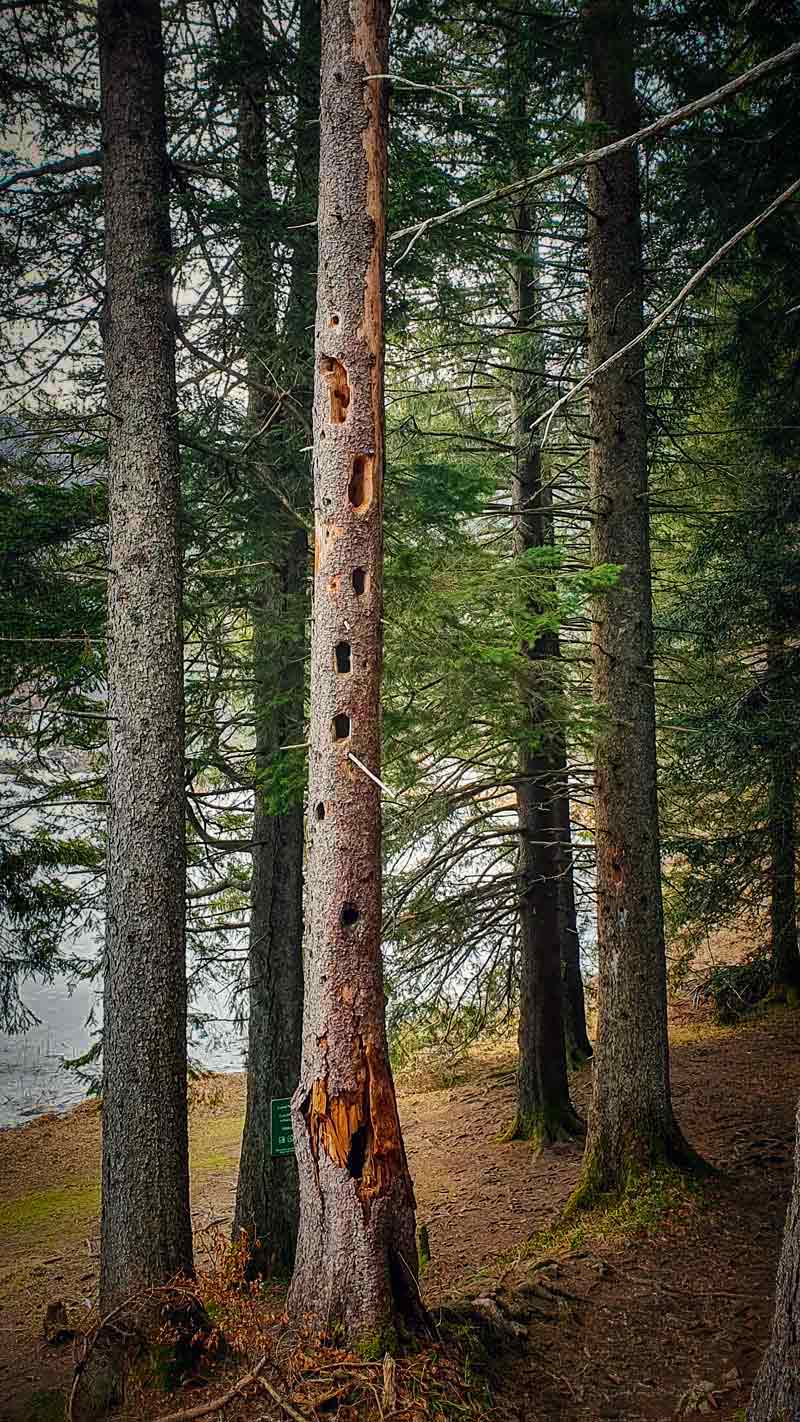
(210, 1160)
(215, 1143)
(701, 1030)
(44, 1212)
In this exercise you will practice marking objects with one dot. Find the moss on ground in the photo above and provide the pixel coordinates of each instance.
(215, 1144)
(544, 1128)
(60, 1214)
(372, 1345)
(46, 1405)
(46, 1212)
(657, 1195)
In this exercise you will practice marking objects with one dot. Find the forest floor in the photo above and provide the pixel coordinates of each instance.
(663, 1307)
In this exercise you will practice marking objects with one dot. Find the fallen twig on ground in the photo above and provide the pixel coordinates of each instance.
(217, 1403)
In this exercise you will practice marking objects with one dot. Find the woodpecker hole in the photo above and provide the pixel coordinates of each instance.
(341, 726)
(319, 811)
(357, 1153)
(359, 581)
(334, 321)
(349, 915)
(342, 655)
(359, 490)
(335, 377)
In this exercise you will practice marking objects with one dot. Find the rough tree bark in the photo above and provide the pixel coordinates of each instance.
(266, 1208)
(631, 1124)
(776, 1390)
(544, 1112)
(267, 1192)
(356, 1268)
(782, 830)
(576, 1038)
(145, 1229)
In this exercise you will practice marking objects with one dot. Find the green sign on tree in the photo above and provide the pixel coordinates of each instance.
(282, 1138)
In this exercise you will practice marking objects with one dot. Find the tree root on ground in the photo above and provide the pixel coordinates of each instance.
(125, 1336)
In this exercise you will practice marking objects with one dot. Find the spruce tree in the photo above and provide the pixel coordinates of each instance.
(631, 1124)
(146, 1233)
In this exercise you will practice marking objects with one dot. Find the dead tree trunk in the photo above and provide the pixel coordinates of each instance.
(146, 1229)
(356, 1266)
(267, 1192)
(631, 1124)
(776, 1390)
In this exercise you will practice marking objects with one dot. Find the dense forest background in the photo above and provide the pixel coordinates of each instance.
(584, 748)
(458, 601)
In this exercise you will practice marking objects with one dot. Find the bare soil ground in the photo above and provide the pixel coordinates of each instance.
(663, 1311)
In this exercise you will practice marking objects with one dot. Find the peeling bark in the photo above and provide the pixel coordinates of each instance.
(356, 1266)
(631, 1124)
(145, 1227)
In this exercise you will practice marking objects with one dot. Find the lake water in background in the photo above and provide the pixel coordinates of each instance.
(33, 1078)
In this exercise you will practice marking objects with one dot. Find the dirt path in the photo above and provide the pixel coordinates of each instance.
(653, 1316)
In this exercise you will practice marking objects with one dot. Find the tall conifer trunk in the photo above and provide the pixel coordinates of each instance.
(146, 1229)
(267, 1192)
(544, 1112)
(631, 1124)
(576, 1038)
(356, 1268)
(776, 1390)
(782, 830)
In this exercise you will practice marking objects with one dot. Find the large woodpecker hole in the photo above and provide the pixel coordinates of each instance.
(357, 1153)
(335, 377)
(343, 657)
(359, 581)
(359, 490)
(349, 915)
(320, 811)
(341, 726)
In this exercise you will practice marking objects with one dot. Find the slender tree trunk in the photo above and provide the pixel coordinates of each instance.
(576, 1037)
(776, 1390)
(544, 1112)
(631, 1124)
(782, 833)
(356, 1269)
(267, 1192)
(146, 1228)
